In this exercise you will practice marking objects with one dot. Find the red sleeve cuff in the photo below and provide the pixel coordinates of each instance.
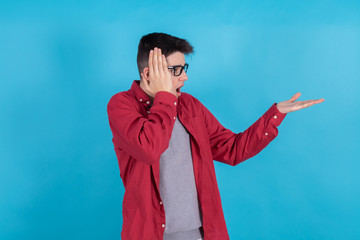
(165, 98)
(165, 101)
(274, 116)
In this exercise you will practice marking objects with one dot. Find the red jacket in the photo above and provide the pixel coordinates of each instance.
(141, 134)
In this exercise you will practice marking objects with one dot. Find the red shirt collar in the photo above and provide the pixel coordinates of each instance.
(140, 95)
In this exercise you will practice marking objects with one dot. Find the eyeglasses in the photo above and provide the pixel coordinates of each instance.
(178, 69)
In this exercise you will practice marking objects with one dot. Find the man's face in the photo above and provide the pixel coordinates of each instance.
(175, 59)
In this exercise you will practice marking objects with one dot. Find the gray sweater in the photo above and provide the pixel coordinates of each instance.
(178, 190)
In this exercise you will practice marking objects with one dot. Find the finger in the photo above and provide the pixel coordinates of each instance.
(316, 101)
(308, 103)
(164, 63)
(295, 97)
(160, 64)
(151, 68)
(155, 62)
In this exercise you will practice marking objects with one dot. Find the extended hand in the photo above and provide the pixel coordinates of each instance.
(291, 105)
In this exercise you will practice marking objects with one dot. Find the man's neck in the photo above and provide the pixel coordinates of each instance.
(143, 88)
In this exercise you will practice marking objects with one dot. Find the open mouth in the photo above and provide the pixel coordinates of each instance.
(178, 89)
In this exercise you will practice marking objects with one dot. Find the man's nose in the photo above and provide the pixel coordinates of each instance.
(183, 76)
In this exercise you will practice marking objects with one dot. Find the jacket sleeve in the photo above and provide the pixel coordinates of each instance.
(231, 148)
(144, 138)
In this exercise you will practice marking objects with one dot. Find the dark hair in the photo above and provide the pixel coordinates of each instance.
(167, 43)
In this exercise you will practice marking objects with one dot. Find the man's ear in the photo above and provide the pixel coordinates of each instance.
(146, 73)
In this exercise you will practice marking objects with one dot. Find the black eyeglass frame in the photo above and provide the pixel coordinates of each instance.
(173, 68)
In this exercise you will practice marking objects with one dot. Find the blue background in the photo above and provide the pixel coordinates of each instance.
(61, 61)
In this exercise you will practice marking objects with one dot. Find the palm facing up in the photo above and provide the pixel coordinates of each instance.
(291, 105)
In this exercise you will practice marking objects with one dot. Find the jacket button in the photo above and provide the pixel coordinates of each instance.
(266, 134)
(160, 202)
(275, 117)
(140, 99)
(163, 225)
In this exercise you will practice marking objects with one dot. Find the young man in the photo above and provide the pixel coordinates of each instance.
(166, 140)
